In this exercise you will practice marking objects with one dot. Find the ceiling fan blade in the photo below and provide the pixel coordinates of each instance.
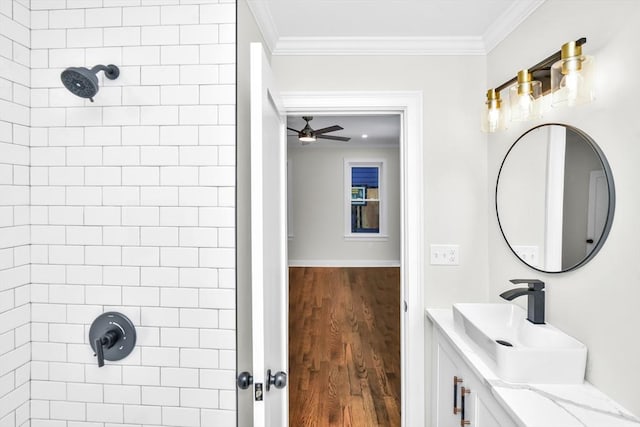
(296, 131)
(326, 130)
(334, 138)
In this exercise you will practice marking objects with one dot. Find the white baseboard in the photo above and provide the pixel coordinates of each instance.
(342, 263)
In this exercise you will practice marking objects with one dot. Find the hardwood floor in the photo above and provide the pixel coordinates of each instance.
(344, 347)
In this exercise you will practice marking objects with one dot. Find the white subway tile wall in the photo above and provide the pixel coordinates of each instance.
(124, 204)
(15, 291)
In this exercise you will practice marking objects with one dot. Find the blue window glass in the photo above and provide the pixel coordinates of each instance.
(365, 199)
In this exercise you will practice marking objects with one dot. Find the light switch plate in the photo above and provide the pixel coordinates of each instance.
(445, 254)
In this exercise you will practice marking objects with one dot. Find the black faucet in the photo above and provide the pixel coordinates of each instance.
(535, 296)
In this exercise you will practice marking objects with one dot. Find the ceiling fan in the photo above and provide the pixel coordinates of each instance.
(308, 135)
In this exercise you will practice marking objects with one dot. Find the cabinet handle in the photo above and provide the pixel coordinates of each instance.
(456, 381)
(463, 391)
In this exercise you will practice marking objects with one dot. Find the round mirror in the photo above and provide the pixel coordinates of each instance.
(555, 198)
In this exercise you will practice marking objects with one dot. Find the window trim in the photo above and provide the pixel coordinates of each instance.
(349, 163)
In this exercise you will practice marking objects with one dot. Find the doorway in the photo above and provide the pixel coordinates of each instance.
(412, 322)
(263, 344)
(344, 277)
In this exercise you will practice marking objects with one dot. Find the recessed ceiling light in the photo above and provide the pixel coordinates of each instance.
(365, 136)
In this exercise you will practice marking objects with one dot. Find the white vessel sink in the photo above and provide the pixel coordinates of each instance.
(539, 354)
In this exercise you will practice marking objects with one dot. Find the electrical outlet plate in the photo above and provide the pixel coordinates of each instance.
(445, 255)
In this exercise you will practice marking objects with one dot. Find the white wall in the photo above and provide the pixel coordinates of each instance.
(454, 149)
(318, 208)
(132, 209)
(598, 302)
(15, 311)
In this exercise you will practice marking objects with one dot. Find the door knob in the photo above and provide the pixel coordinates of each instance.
(279, 380)
(245, 379)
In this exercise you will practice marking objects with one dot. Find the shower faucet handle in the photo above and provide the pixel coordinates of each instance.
(108, 340)
(112, 336)
(99, 352)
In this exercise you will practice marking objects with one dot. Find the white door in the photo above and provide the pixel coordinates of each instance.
(269, 276)
(598, 207)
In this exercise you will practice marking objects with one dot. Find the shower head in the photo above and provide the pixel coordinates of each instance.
(83, 82)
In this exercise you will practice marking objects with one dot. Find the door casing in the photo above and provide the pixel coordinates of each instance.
(412, 322)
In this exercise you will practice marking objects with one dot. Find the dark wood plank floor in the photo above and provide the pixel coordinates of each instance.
(344, 347)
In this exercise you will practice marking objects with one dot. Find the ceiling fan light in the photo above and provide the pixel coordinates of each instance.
(307, 138)
(306, 134)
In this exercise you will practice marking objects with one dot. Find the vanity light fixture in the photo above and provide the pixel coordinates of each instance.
(524, 97)
(493, 116)
(566, 75)
(571, 82)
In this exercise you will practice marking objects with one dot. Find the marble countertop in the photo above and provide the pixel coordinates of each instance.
(538, 405)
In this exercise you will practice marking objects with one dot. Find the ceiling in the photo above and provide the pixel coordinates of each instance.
(382, 131)
(409, 27)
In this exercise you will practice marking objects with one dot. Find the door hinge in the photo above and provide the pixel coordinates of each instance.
(406, 307)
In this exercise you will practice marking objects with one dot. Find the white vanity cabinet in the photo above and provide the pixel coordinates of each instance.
(493, 402)
(451, 378)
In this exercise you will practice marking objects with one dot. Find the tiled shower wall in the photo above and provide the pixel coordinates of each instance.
(14, 214)
(132, 210)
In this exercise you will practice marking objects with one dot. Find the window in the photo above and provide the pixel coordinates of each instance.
(364, 191)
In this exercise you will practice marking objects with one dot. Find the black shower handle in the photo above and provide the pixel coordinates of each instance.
(99, 352)
(107, 340)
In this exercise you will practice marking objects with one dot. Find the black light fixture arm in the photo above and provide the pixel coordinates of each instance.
(541, 70)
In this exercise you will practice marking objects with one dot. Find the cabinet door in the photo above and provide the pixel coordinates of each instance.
(489, 413)
(444, 373)
(484, 417)
(481, 408)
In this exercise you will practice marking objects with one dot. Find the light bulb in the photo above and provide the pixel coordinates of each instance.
(493, 118)
(524, 102)
(524, 107)
(523, 97)
(571, 83)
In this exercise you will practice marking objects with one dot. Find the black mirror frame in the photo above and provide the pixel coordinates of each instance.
(610, 187)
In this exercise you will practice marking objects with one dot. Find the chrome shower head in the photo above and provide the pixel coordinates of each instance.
(83, 82)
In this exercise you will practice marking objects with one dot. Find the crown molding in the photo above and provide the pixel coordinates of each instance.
(379, 46)
(504, 24)
(264, 19)
(508, 21)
